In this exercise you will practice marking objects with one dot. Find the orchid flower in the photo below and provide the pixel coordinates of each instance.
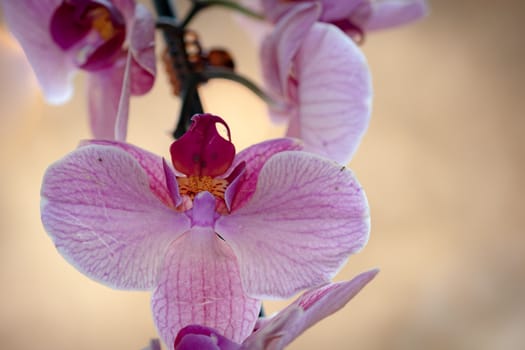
(322, 79)
(280, 330)
(354, 17)
(318, 77)
(212, 234)
(113, 41)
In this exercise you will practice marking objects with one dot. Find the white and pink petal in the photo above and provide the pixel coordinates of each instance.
(254, 158)
(334, 92)
(392, 13)
(152, 165)
(306, 217)
(200, 285)
(142, 48)
(29, 21)
(310, 308)
(98, 208)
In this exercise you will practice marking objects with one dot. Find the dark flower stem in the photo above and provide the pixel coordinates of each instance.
(189, 79)
(232, 5)
(221, 73)
(174, 38)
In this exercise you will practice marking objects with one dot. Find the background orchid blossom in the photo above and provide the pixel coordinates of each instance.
(111, 40)
(322, 79)
(277, 332)
(354, 17)
(210, 235)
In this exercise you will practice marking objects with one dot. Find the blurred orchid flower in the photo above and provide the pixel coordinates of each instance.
(354, 17)
(280, 330)
(211, 234)
(111, 40)
(322, 79)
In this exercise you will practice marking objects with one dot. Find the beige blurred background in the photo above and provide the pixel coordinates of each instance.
(442, 165)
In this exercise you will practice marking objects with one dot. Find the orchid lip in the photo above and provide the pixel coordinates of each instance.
(94, 32)
(202, 151)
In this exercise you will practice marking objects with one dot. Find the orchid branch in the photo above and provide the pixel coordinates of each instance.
(222, 73)
(198, 5)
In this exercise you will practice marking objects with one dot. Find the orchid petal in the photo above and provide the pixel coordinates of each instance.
(200, 284)
(255, 157)
(334, 10)
(29, 22)
(334, 94)
(306, 217)
(108, 100)
(98, 209)
(142, 48)
(152, 165)
(392, 13)
(120, 129)
(279, 48)
(171, 183)
(307, 310)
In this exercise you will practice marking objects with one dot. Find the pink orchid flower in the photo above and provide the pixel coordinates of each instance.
(211, 235)
(320, 77)
(111, 40)
(280, 330)
(323, 81)
(354, 17)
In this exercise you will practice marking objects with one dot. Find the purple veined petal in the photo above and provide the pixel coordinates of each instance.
(100, 213)
(312, 307)
(142, 48)
(255, 157)
(306, 217)
(334, 94)
(200, 284)
(392, 13)
(203, 338)
(28, 20)
(279, 48)
(151, 164)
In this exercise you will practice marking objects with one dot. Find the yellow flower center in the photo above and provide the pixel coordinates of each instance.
(102, 23)
(191, 186)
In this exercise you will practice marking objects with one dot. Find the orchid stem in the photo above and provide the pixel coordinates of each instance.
(220, 73)
(232, 5)
(174, 38)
